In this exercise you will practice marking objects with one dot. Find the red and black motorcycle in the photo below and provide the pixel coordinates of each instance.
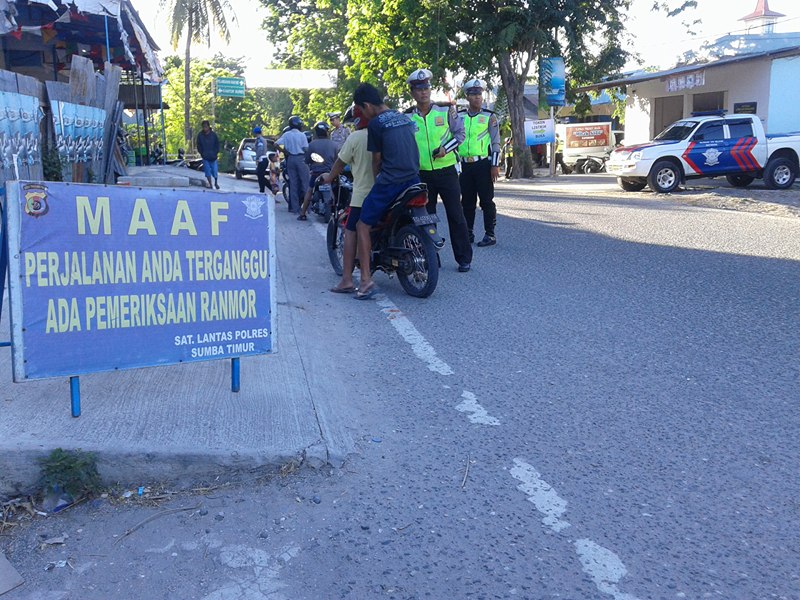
(405, 242)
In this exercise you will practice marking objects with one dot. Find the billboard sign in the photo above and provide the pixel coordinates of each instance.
(553, 79)
(539, 132)
(589, 135)
(107, 277)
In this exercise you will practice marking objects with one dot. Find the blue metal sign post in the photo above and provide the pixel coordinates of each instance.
(3, 259)
(111, 277)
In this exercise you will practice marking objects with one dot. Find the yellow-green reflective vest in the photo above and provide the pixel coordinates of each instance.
(433, 130)
(477, 140)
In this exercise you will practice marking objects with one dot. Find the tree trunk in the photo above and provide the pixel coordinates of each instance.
(515, 89)
(187, 125)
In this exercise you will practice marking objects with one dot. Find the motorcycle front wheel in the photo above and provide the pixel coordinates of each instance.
(335, 238)
(424, 276)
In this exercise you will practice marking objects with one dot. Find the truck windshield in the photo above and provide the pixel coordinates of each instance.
(679, 130)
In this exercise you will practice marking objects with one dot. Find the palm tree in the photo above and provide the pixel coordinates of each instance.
(196, 20)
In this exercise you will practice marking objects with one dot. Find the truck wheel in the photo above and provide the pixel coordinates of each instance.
(740, 180)
(780, 173)
(631, 185)
(664, 177)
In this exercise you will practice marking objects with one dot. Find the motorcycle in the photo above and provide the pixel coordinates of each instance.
(595, 164)
(590, 163)
(322, 199)
(405, 242)
(180, 161)
(156, 155)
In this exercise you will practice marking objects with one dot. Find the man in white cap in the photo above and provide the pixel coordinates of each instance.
(439, 133)
(480, 162)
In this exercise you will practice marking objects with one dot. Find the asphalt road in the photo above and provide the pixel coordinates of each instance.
(604, 407)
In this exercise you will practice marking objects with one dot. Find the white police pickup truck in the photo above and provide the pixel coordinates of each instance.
(709, 145)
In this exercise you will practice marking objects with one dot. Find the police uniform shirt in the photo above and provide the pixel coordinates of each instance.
(493, 131)
(451, 140)
(294, 142)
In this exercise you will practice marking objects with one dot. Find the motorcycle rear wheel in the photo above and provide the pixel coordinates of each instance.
(335, 239)
(422, 280)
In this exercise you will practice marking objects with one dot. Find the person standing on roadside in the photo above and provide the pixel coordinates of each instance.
(439, 133)
(339, 132)
(262, 162)
(565, 170)
(208, 148)
(294, 145)
(354, 153)
(508, 156)
(480, 162)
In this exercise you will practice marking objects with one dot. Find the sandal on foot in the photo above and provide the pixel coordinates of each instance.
(302, 218)
(344, 290)
(367, 294)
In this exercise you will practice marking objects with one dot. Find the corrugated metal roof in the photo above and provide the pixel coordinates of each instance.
(728, 60)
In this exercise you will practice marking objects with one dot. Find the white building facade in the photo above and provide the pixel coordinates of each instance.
(765, 84)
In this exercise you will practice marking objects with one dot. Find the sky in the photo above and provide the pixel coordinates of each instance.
(657, 39)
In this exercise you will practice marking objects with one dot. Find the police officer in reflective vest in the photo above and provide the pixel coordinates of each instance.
(480, 161)
(439, 132)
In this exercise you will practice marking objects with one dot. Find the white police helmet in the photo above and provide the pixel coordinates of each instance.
(474, 86)
(421, 78)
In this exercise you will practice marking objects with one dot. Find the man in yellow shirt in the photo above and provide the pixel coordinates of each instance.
(354, 153)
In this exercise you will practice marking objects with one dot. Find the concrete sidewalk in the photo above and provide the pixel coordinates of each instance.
(179, 424)
(163, 176)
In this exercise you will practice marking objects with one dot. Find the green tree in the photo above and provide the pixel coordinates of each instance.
(488, 38)
(195, 21)
(234, 118)
(310, 35)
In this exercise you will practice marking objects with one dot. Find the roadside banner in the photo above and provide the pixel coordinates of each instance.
(113, 277)
(539, 132)
(552, 79)
(590, 135)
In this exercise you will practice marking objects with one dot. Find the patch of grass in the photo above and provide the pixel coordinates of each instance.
(74, 471)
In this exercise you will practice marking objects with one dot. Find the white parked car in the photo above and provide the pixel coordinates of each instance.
(245, 158)
(709, 145)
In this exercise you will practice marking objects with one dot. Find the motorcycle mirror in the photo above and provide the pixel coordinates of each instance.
(317, 158)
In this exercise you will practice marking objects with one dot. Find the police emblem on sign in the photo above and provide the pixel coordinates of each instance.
(36, 199)
(253, 204)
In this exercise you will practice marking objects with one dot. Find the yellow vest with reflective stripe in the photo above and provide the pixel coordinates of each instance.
(433, 130)
(477, 140)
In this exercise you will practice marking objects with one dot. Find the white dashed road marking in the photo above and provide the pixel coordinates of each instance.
(404, 327)
(604, 567)
(410, 334)
(601, 564)
(476, 413)
(541, 494)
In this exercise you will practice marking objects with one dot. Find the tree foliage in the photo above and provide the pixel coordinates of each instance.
(196, 21)
(233, 118)
(309, 35)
